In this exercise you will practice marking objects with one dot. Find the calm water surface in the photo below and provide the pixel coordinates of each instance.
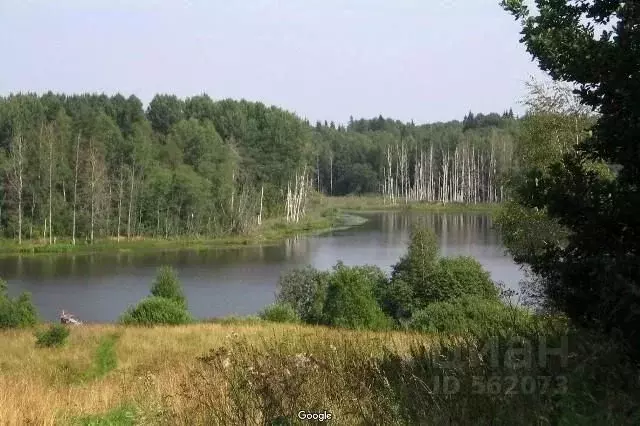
(218, 282)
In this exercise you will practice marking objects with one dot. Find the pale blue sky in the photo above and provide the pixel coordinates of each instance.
(426, 60)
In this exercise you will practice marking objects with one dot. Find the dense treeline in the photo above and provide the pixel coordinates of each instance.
(92, 166)
(445, 162)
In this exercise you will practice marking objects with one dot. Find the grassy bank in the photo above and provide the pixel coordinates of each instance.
(326, 213)
(378, 203)
(272, 231)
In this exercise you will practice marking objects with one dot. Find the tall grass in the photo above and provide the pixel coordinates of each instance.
(204, 374)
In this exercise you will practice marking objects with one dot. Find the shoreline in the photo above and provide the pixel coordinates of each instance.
(330, 214)
(271, 233)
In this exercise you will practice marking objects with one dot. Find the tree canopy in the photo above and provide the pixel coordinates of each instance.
(592, 191)
(95, 166)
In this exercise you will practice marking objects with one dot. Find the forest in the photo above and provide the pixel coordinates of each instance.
(87, 167)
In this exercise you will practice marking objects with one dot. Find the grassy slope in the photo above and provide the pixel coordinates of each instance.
(154, 368)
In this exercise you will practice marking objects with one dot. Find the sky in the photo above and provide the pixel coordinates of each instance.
(421, 60)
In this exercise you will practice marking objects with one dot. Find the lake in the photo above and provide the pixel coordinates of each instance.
(223, 281)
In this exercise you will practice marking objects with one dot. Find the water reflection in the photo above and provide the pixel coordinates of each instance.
(241, 280)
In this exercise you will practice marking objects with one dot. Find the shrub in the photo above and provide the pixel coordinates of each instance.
(304, 289)
(412, 278)
(471, 278)
(167, 285)
(396, 299)
(156, 310)
(474, 315)
(56, 335)
(279, 312)
(350, 300)
(18, 312)
(417, 265)
(421, 278)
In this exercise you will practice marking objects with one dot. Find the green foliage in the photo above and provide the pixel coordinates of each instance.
(164, 111)
(350, 300)
(304, 289)
(474, 315)
(421, 277)
(124, 415)
(17, 312)
(397, 299)
(527, 232)
(420, 261)
(593, 276)
(156, 311)
(55, 335)
(185, 160)
(167, 285)
(470, 278)
(280, 312)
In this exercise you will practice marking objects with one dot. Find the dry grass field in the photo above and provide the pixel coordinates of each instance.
(154, 374)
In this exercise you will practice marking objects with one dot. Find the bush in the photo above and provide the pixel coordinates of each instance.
(474, 315)
(417, 265)
(279, 312)
(350, 300)
(421, 278)
(156, 310)
(304, 289)
(396, 299)
(56, 335)
(167, 285)
(470, 277)
(18, 312)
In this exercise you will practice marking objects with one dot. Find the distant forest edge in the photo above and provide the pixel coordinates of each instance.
(84, 167)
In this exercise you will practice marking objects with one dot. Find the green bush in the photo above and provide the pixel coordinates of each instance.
(167, 285)
(474, 315)
(156, 310)
(350, 300)
(470, 277)
(56, 335)
(18, 312)
(279, 312)
(418, 264)
(421, 277)
(304, 289)
(396, 298)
